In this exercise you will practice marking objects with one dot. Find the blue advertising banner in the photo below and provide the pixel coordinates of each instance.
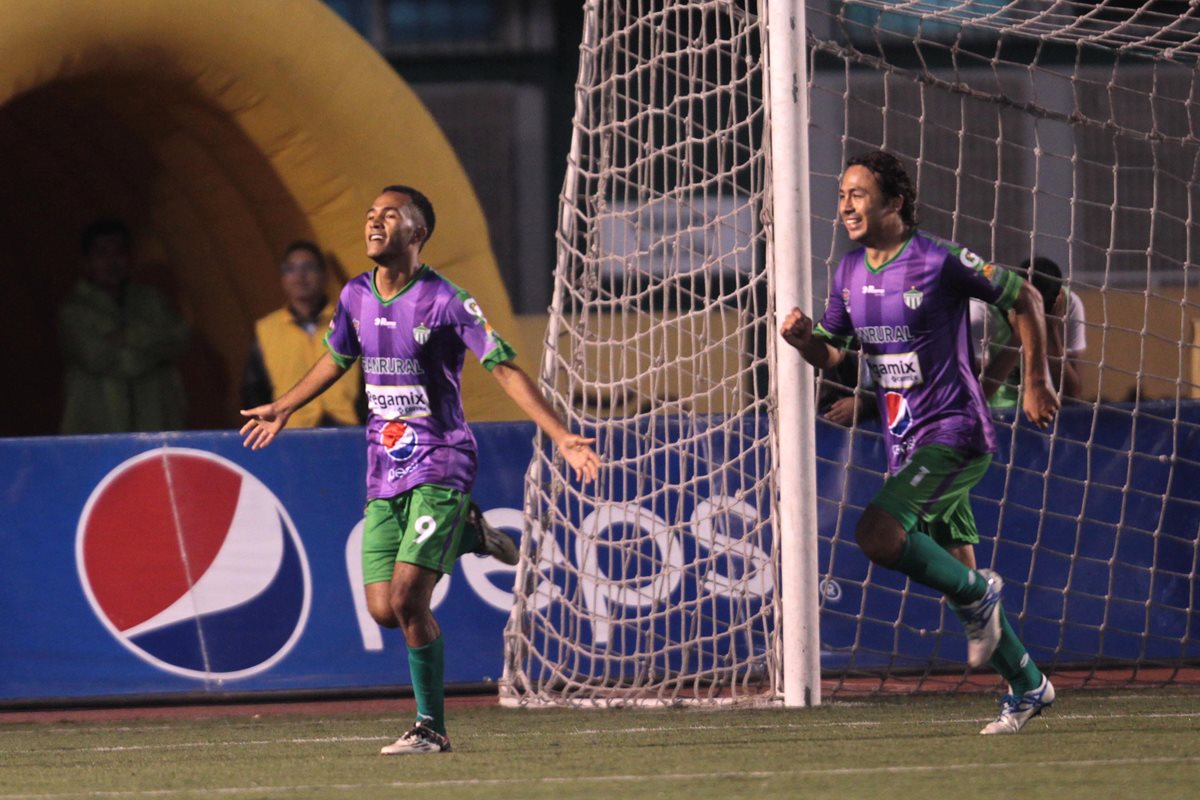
(101, 538)
(1096, 533)
(182, 563)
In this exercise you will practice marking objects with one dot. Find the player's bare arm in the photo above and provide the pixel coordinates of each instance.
(576, 449)
(797, 330)
(1039, 399)
(266, 421)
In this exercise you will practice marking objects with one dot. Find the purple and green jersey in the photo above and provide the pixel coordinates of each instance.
(412, 349)
(910, 316)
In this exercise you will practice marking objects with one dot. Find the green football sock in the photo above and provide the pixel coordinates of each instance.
(1012, 661)
(927, 563)
(427, 665)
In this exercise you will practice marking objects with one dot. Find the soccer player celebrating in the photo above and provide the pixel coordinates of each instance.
(411, 328)
(904, 296)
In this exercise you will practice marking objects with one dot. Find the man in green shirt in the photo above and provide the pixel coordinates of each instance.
(119, 341)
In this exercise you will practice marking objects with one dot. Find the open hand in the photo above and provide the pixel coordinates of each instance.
(578, 452)
(264, 424)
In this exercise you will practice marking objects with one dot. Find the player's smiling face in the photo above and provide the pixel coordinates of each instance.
(390, 230)
(866, 215)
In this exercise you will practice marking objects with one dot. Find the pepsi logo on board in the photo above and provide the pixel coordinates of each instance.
(193, 565)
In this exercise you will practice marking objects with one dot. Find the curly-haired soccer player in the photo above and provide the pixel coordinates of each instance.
(904, 297)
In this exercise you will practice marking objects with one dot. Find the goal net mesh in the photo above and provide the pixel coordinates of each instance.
(1052, 129)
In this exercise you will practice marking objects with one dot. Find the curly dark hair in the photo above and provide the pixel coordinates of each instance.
(893, 181)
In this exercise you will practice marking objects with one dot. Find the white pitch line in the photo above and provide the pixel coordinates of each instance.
(1052, 718)
(602, 779)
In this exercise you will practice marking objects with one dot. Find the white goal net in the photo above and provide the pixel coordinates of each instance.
(1061, 130)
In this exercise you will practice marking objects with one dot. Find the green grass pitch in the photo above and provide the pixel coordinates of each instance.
(1143, 743)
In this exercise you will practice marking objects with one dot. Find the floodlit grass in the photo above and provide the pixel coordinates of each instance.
(1091, 745)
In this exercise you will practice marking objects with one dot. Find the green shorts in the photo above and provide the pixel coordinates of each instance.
(932, 493)
(422, 526)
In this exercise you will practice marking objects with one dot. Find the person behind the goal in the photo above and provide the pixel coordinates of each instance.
(904, 297)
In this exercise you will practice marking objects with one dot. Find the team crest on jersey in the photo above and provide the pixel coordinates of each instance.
(846, 298)
(421, 333)
(913, 298)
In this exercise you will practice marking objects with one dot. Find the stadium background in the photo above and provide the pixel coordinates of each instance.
(199, 124)
(222, 130)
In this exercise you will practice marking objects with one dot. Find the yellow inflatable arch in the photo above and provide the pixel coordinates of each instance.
(219, 130)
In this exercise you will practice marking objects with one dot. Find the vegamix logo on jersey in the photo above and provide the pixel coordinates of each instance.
(193, 565)
(397, 402)
(895, 370)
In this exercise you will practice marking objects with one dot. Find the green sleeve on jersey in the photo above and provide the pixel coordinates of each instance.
(1002, 330)
(503, 351)
(834, 339)
(345, 362)
(1010, 283)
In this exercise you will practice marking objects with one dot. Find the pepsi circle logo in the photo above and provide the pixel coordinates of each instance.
(899, 417)
(398, 439)
(193, 565)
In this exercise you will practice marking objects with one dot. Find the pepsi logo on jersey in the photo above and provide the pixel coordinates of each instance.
(399, 440)
(899, 417)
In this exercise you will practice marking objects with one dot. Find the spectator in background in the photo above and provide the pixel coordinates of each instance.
(1066, 329)
(289, 340)
(119, 340)
(999, 344)
(842, 395)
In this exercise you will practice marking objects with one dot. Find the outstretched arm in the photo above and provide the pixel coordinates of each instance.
(266, 421)
(1039, 401)
(576, 449)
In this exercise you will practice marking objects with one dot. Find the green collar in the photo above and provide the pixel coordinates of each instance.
(412, 282)
(899, 253)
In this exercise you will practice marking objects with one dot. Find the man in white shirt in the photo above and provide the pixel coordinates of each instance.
(999, 345)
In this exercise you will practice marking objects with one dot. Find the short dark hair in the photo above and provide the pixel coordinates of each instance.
(893, 181)
(102, 228)
(421, 203)
(308, 247)
(1046, 277)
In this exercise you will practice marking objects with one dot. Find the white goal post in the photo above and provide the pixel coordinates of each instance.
(699, 202)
